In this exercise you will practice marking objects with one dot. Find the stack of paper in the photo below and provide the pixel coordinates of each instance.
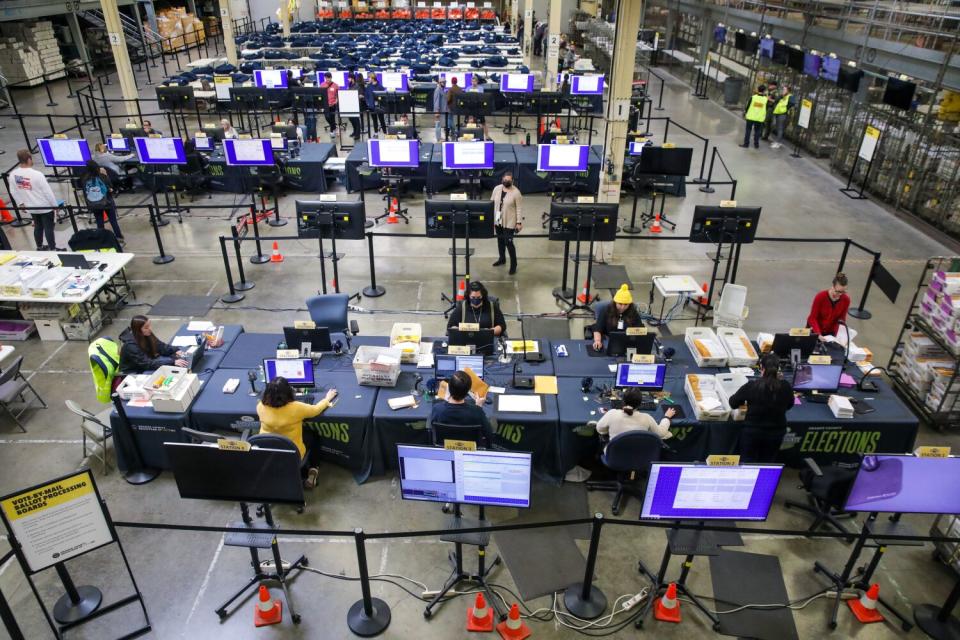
(402, 402)
(841, 407)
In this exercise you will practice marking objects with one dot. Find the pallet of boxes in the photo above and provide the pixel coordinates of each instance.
(30, 52)
(179, 29)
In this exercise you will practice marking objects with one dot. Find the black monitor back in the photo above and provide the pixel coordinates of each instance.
(570, 221)
(444, 215)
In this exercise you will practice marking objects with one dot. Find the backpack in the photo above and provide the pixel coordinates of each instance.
(96, 190)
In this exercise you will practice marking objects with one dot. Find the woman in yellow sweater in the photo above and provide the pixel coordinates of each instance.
(280, 414)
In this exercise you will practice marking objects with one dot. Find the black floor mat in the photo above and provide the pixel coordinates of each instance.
(551, 502)
(541, 561)
(751, 578)
(610, 276)
(183, 306)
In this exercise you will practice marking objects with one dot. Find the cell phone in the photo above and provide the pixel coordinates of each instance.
(103, 266)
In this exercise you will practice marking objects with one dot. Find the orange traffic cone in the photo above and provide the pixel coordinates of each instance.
(275, 256)
(667, 609)
(543, 126)
(704, 298)
(392, 218)
(461, 290)
(557, 123)
(268, 610)
(656, 228)
(866, 607)
(513, 628)
(584, 297)
(4, 212)
(480, 616)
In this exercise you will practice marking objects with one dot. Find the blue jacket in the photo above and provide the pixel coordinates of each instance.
(440, 100)
(368, 94)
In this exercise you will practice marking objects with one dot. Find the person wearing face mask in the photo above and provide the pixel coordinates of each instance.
(480, 309)
(829, 308)
(508, 217)
(619, 315)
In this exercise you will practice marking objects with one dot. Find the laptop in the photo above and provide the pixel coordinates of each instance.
(195, 355)
(74, 260)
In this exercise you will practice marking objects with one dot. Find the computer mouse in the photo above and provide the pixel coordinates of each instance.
(870, 463)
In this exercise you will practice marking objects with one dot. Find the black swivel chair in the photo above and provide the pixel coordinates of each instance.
(630, 455)
(439, 432)
(276, 441)
(270, 179)
(827, 490)
(330, 311)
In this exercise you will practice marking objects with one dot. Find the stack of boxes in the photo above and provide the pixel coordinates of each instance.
(30, 51)
(179, 29)
(926, 368)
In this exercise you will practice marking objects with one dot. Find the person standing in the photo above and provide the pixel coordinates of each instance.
(333, 92)
(768, 399)
(452, 94)
(98, 192)
(755, 114)
(33, 193)
(773, 95)
(829, 308)
(356, 83)
(373, 85)
(508, 218)
(781, 113)
(476, 88)
(440, 108)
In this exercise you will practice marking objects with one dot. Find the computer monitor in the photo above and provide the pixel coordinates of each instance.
(648, 377)
(464, 78)
(461, 217)
(203, 143)
(309, 97)
(393, 103)
(830, 68)
(811, 64)
(467, 155)
(544, 102)
(586, 85)
(214, 132)
(398, 81)
(689, 491)
(712, 224)
(278, 143)
(490, 478)
(326, 219)
(482, 340)
(341, 78)
(248, 153)
(781, 54)
(817, 377)
(890, 483)
(288, 131)
(160, 150)
(446, 365)
(297, 371)
(848, 78)
(899, 93)
(636, 148)
(784, 344)
(318, 337)
(119, 145)
(619, 341)
(562, 157)
(517, 83)
(766, 48)
(132, 131)
(573, 221)
(407, 131)
(194, 355)
(270, 78)
(64, 152)
(665, 161)
(476, 132)
(176, 97)
(795, 58)
(473, 103)
(393, 153)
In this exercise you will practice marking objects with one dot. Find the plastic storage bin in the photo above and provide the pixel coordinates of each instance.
(740, 353)
(706, 347)
(377, 366)
(704, 397)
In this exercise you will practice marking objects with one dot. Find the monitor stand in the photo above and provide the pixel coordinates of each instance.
(458, 576)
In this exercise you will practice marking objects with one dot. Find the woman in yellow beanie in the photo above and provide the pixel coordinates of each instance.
(619, 315)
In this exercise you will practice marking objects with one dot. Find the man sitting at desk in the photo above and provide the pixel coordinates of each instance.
(620, 315)
(149, 130)
(481, 310)
(456, 411)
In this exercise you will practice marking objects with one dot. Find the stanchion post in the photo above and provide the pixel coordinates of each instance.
(259, 258)
(234, 295)
(243, 284)
(707, 188)
(584, 600)
(163, 258)
(46, 85)
(859, 312)
(733, 190)
(374, 290)
(9, 620)
(843, 256)
(73, 218)
(703, 160)
(78, 603)
(368, 616)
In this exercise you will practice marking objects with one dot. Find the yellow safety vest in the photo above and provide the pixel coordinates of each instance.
(782, 105)
(757, 112)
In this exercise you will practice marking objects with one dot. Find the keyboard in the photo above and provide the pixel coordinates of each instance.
(309, 398)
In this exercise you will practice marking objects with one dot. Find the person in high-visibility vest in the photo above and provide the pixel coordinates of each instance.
(781, 112)
(755, 114)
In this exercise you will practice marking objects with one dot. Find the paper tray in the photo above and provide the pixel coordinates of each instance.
(736, 342)
(716, 358)
(707, 386)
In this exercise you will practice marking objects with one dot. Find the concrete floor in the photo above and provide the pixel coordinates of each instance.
(184, 576)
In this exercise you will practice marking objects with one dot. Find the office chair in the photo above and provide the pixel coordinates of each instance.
(546, 328)
(270, 179)
(276, 441)
(12, 386)
(94, 240)
(330, 311)
(599, 312)
(827, 490)
(97, 428)
(440, 431)
(630, 455)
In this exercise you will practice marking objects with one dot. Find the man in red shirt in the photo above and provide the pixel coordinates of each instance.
(829, 308)
(333, 91)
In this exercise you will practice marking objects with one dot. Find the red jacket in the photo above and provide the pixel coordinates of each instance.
(825, 316)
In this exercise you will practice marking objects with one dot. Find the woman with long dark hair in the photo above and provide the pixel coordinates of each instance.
(478, 308)
(629, 418)
(620, 315)
(279, 413)
(142, 351)
(98, 192)
(768, 398)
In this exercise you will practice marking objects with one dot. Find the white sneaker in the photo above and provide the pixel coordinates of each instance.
(775, 145)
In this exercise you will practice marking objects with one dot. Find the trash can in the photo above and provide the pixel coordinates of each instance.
(732, 87)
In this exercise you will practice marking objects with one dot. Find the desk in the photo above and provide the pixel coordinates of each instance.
(302, 173)
(212, 357)
(403, 426)
(249, 350)
(344, 434)
(504, 159)
(414, 179)
(529, 180)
